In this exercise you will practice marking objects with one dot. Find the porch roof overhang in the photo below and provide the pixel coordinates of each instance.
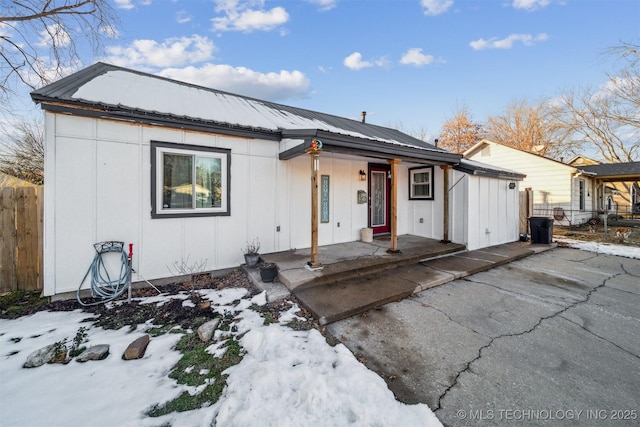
(347, 144)
(474, 168)
(613, 172)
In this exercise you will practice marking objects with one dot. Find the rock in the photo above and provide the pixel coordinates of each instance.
(137, 348)
(205, 331)
(41, 356)
(95, 352)
(205, 305)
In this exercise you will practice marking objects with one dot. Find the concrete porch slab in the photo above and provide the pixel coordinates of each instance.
(330, 302)
(354, 259)
(336, 301)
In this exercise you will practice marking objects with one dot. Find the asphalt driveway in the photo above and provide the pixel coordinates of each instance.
(552, 339)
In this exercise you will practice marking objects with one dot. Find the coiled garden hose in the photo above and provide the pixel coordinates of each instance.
(102, 286)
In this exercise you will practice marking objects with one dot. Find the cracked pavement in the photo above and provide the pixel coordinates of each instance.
(552, 339)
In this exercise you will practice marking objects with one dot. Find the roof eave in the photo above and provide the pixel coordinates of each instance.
(339, 143)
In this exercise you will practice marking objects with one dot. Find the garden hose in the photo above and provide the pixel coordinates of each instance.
(102, 286)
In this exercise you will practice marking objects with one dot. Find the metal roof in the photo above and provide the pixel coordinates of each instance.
(473, 167)
(107, 91)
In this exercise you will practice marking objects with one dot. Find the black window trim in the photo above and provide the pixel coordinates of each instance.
(187, 147)
(410, 180)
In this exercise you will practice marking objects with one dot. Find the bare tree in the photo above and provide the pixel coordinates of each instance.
(459, 132)
(607, 118)
(22, 153)
(530, 128)
(40, 39)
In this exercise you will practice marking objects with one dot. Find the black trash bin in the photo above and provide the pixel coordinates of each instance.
(541, 229)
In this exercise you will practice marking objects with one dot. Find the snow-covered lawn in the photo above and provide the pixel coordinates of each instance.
(601, 248)
(286, 377)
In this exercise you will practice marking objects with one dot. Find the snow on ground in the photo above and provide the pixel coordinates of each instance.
(286, 378)
(602, 248)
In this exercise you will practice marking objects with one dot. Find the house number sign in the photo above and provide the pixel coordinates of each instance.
(324, 198)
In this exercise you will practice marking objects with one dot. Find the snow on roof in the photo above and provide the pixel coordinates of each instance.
(119, 89)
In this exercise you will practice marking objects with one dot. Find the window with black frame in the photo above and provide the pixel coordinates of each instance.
(421, 183)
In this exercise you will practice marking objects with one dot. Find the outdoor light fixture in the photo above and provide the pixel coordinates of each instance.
(512, 185)
(363, 175)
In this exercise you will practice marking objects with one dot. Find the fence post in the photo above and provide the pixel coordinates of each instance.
(8, 235)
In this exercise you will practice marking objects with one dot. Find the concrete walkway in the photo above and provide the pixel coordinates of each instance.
(552, 339)
(358, 276)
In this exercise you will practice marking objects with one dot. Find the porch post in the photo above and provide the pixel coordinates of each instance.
(394, 206)
(445, 236)
(314, 152)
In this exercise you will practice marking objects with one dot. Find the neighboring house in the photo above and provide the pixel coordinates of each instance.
(560, 191)
(620, 194)
(189, 173)
(570, 193)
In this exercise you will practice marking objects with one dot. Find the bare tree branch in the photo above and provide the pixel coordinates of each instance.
(531, 128)
(459, 132)
(40, 40)
(22, 152)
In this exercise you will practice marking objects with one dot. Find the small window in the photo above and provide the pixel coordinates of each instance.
(581, 199)
(188, 180)
(421, 183)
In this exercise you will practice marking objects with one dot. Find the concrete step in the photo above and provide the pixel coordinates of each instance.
(337, 300)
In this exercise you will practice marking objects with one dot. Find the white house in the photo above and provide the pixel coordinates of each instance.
(186, 172)
(561, 191)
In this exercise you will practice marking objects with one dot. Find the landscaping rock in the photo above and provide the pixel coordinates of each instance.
(205, 331)
(40, 357)
(95, 352)
(137, 348)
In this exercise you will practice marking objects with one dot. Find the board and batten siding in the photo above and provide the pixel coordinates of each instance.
(490, 215)
(98, 189)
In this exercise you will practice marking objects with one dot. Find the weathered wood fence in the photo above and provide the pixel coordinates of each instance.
(526, 209)
(21, 238)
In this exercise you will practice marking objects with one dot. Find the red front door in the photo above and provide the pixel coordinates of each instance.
(379, 199)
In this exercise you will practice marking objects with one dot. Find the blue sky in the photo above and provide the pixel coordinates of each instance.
(410, 64)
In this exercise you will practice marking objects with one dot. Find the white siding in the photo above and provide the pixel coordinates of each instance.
(554, 184)
(98, 188)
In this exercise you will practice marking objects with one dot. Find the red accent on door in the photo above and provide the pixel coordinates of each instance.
(379, 199)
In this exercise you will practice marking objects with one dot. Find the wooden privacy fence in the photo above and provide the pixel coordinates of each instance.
(21, 238)
(526, 209)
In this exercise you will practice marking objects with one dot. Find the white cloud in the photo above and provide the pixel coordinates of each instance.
(355, 62)
(170, 53)
(530, 4)
(248, 16)
(240, 80)
(55, 32)
(508, 42)
(124, 4)
(128, 4)
(414, 56)
(182, 17)
(324, 5)
(436, 7)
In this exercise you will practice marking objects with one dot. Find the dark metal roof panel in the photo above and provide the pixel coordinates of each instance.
(613, 169)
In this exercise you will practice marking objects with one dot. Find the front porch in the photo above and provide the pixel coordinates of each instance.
(358, 276)
(354, 259)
